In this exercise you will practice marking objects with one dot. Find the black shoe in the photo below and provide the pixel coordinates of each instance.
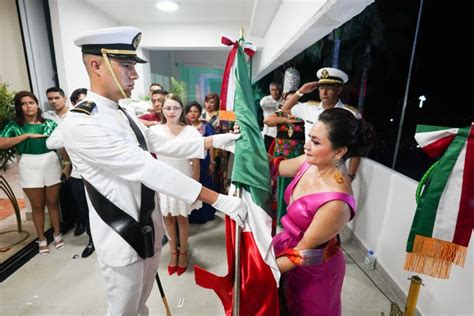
(80, 229)
(88, 250)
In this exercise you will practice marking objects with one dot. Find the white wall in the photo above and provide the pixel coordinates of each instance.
(69, 18)
(386, 206)
(13, 70)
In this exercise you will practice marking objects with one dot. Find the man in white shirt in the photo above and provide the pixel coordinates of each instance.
(110, 149)
(57, 101)
(330, 86)
(270, 104)
(69, 211)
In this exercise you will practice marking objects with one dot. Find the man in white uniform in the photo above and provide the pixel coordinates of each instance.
(108, 146)
(270, 104)
(330, 87)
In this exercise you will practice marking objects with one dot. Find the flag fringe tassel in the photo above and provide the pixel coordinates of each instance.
(434, 257)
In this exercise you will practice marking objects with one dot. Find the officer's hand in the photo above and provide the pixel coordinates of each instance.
(308, 87)
(232, 206)
(225, 141)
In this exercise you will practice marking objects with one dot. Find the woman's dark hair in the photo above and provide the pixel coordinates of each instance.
(19, 116)
(344, 130)
(214, 96)
(182, 118)
(191, 104)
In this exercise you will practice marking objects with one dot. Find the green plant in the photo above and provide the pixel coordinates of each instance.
(179, 89)
(7, 113)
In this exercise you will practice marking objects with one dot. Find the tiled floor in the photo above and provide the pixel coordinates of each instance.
(62, 283)
(58, 284)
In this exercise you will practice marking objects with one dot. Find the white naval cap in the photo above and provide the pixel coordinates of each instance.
(119, 42)
(328, 75)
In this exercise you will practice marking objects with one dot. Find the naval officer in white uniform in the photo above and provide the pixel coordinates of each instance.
(330, 86)
(106, 145)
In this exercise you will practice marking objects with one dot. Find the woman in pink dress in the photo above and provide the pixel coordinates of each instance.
(320, 204)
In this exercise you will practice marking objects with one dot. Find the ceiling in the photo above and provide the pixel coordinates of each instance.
(279, 28)
(254, 15)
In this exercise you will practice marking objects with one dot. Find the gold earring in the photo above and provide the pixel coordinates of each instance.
(338, 174)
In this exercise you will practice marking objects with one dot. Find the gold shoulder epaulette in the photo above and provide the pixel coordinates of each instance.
(85, 107)
(313, 103)
(351, 108)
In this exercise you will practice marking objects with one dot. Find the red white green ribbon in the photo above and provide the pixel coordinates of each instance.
(444, 217)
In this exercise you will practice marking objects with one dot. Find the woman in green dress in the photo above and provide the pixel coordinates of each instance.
(289, 143)
(39, 168)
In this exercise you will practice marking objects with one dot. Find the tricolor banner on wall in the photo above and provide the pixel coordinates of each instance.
(444, 217)
(259, 273)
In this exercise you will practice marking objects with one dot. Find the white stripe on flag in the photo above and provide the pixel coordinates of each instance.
(448, 208)
(425, 138)
(260, 224)
(231, 87)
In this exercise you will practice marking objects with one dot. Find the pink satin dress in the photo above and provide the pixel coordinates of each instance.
(310, 290)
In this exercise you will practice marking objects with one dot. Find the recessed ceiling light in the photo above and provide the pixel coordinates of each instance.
(167, 6)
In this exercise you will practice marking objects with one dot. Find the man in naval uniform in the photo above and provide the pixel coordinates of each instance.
(111, 151)
(330, 87)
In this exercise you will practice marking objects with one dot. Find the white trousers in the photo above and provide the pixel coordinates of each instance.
(128, 287)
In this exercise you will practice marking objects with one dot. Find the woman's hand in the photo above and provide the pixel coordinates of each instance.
(290, 119)
(36, 136)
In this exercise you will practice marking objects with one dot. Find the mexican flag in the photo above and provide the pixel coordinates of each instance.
(444, 217)
(259, 273)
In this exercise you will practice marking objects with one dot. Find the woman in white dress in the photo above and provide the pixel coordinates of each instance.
(175, 212)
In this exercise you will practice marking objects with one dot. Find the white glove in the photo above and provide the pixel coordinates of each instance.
(225, 141)
(232, 206)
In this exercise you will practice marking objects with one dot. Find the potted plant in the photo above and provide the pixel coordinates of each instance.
(7, 113)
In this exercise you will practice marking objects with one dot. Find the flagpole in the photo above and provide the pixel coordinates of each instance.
(236, 296)
(238, 193)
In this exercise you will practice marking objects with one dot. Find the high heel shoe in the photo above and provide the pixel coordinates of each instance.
(172, 269)
(181, 270)
(43, 247)
(58, 241)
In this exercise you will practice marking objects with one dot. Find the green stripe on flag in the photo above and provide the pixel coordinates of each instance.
(430, 128)
(425, 216)
(251, 169)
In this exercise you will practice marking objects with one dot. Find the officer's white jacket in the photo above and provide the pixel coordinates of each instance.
(106, 153)
(309, 112)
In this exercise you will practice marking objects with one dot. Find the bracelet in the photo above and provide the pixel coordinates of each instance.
(299, 94)
(352, 176)
(66, 162)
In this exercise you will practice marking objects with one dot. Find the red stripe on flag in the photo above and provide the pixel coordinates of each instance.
(465, 222)
(258, 292)
(437, 148)
(225, 78)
